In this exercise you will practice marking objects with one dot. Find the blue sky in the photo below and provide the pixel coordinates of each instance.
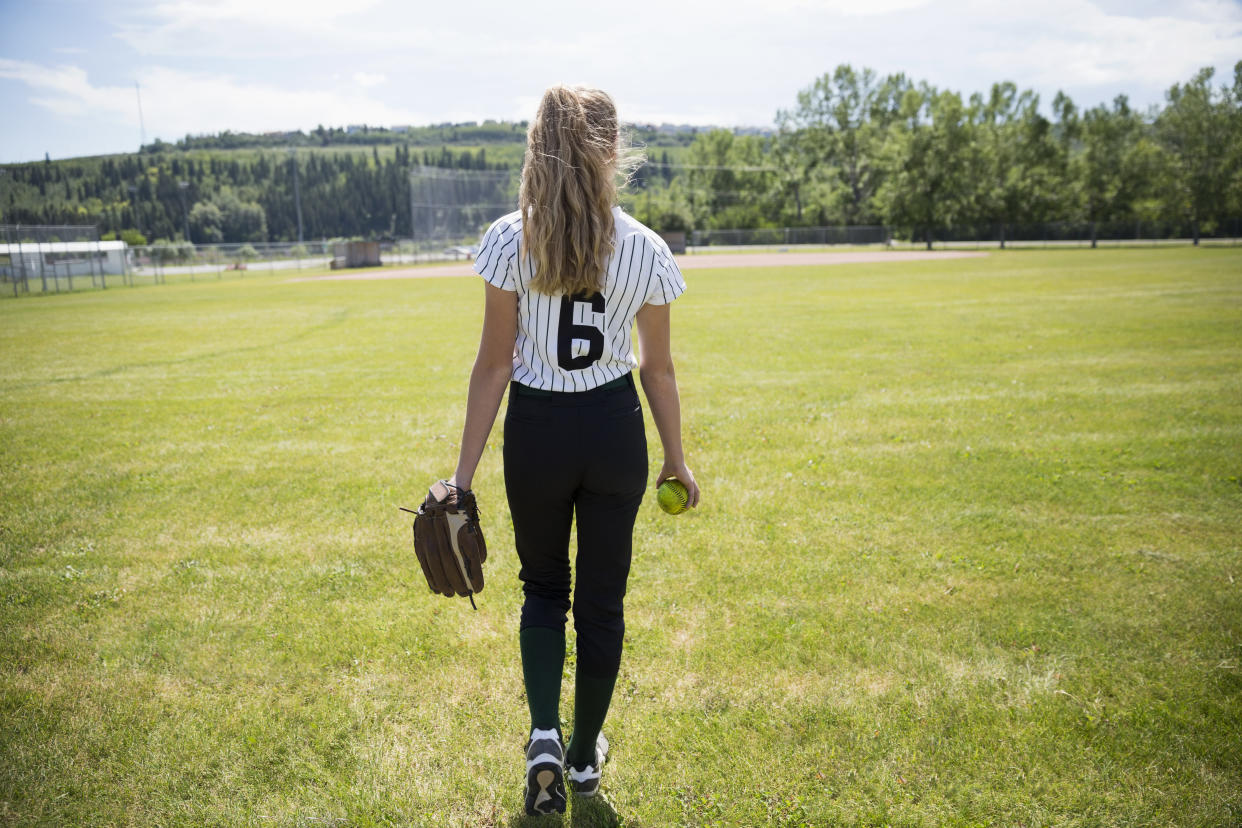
(68, 68)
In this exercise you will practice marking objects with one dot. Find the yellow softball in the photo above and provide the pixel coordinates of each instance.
(673, 496)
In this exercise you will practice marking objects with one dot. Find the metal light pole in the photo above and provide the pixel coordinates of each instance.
(185, 213)
(133, 202)
(142, 125)
(297, 190)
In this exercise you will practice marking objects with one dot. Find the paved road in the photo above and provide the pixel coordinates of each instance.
(697, 261)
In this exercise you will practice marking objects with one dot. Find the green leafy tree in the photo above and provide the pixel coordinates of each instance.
(794, 167)
(1195, 127)
(838, 128)
(163, 251)
(241, 220)
(207, 223)
(1115, 166)
(1234, 107)
(725, 180)
(664, 207)
(1020, 166)
(931, 154)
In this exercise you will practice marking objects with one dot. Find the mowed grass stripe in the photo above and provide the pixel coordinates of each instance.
(968, 555)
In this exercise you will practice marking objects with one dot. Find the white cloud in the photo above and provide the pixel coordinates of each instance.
(67, 91)
(233, 28)
(284, 64)
(189, 13)
(1080, 43)
(176, 102)
(849, 8)
(369, 79)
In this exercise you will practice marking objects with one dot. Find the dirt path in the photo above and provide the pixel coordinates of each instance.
(698, 261)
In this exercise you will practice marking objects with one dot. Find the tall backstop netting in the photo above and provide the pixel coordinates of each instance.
(453, 207)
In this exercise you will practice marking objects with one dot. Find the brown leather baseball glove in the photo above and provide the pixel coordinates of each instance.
(449, 541)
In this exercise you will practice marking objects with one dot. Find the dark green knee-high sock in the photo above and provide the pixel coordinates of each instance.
(592, 695)
(543, 660)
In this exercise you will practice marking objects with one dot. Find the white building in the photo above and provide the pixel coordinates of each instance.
(33, 260)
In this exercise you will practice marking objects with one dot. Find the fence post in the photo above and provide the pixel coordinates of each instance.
(22, 258)
(42, 269)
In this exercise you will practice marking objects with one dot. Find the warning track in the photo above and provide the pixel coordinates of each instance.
(698, 261)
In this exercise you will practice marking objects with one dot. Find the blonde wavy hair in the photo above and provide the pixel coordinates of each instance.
(574, 157)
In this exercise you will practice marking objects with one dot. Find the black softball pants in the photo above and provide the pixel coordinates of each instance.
(582, 453)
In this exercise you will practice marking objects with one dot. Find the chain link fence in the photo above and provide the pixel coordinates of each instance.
(156, 263)
(779, 236)
(51, 256)
(452, 206)
(52, 266)
(983, 236)
(46, 259)
(48, 233)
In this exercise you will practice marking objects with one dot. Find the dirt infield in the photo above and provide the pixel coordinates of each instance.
(698, 261)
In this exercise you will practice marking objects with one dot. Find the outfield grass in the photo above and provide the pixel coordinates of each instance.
(969, 554)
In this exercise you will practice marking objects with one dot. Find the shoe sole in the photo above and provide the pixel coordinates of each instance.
(545, 790)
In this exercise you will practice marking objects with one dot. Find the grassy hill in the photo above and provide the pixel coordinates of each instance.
(351, 184)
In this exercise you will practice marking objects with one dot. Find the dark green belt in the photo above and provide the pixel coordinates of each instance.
(527, 391)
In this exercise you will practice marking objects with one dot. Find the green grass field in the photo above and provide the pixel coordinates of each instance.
(969, 554)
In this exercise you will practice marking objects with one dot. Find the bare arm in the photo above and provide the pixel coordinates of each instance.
(492, 369)
(655, 369)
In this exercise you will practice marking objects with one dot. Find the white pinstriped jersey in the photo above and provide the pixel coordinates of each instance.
(576, 343)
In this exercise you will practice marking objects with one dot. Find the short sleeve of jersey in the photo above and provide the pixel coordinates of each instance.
(666, 279)
(497, 251)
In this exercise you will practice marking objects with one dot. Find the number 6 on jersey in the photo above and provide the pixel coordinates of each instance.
(570, 332)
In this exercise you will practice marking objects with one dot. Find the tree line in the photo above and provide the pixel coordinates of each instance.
(859, 149)
(855, 149)
(231, 195)
(360, 135)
